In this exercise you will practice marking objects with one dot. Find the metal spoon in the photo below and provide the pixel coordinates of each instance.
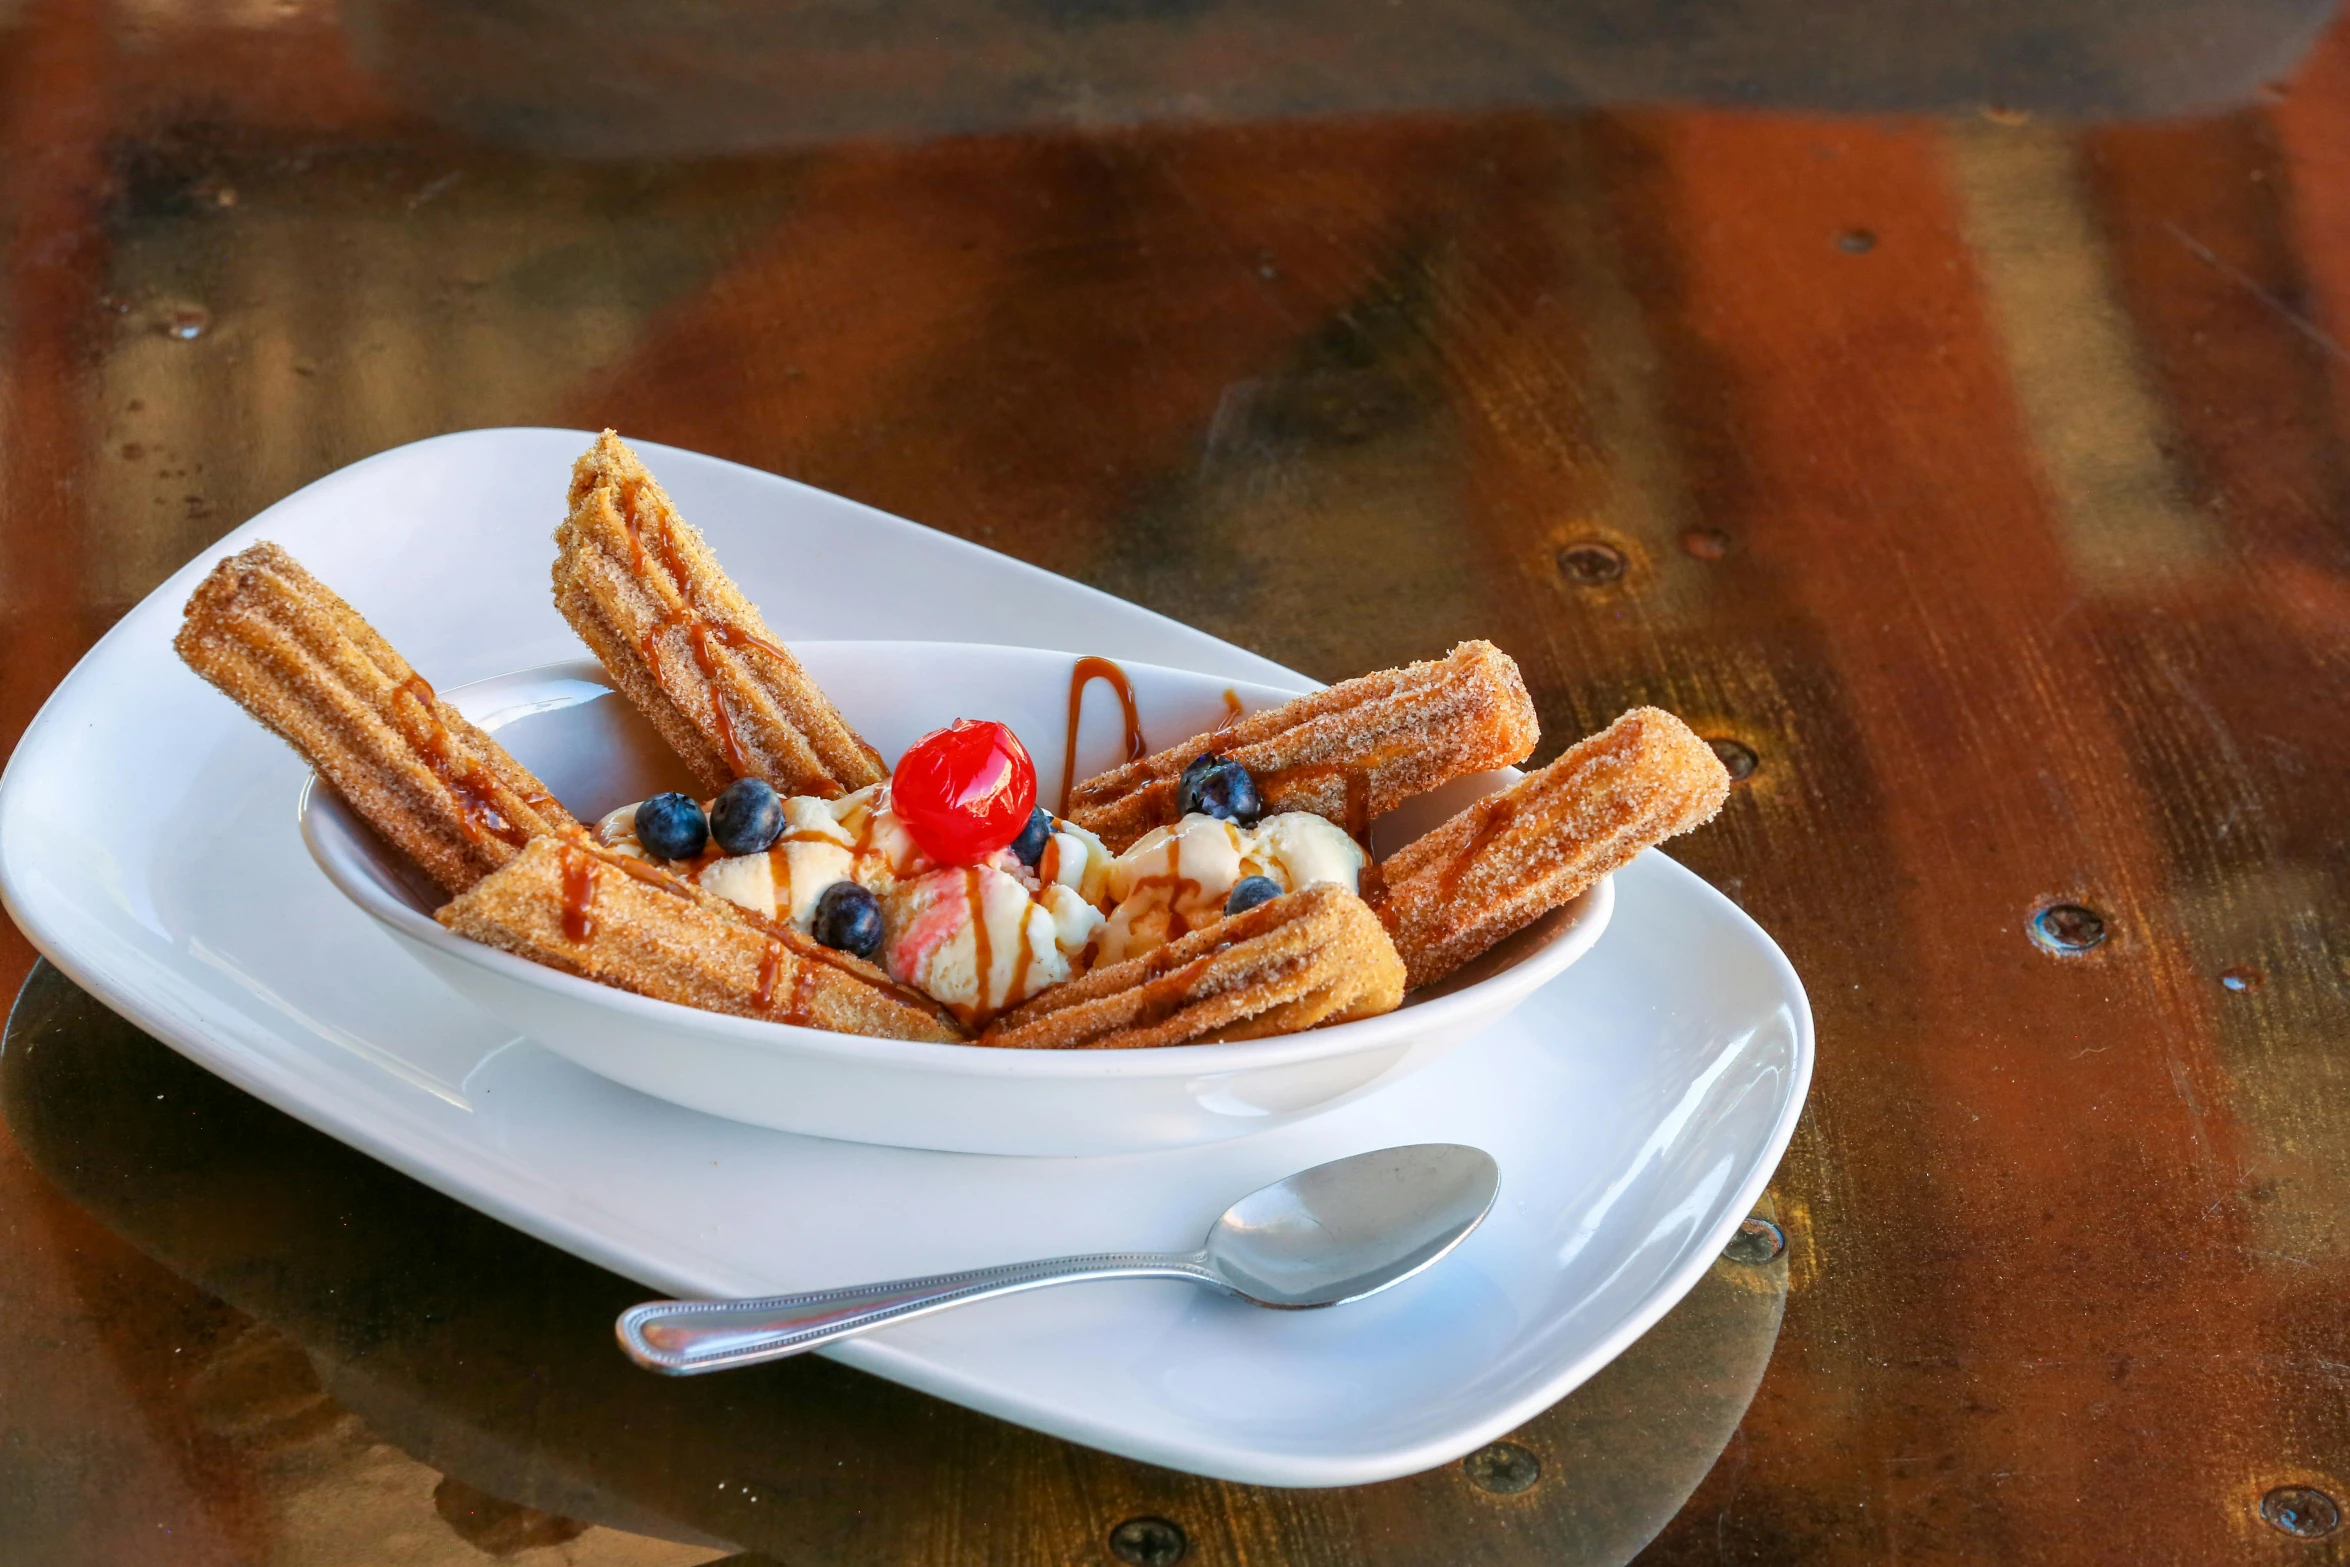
(1325, 1236)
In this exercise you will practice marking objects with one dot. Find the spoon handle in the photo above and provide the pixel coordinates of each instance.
(686, 1337)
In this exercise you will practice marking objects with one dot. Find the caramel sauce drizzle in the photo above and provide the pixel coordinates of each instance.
(864, 844)
(698, 635)
(632, 522)
(1178, 885)
(579, 894)
(980, 1013)
(1356, 781)
(770, 959)
(650, 874)
(670, 557)
(1487, 830)
(478, 815)
(699, 627)
(1022, 959)
(650, 643)
(863, 849)
(1087, 670)
(779, 862)
(803, 993)
(1159, 997)
(697, 631)
(533, 796)
(1232, 714)
(800, 946)
(1163, 996)
(742, 641)
(803, 984)
(982, 954)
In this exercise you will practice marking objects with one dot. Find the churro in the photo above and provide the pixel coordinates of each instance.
(294, 655)
(1514, 856)
(1302, 960)
(1347, 754)
(642, 589)
(571, 905)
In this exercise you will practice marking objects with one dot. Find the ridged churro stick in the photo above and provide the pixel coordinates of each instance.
(1516, 855)
(642, 589)
(573, 906)
(304, 663)
(1305, 959)
(1349, 753)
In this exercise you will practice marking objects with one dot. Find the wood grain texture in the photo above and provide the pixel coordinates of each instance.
(1983, 475)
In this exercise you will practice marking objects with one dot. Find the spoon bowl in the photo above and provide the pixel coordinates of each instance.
(1322, 1237)
(1350, 1228)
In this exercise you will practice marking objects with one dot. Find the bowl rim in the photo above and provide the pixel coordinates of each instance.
(332, 832)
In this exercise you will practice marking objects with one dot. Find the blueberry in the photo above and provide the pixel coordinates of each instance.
(747, 816)
(1028, 848)
(1250, 891)
(1220, 787)
(847, 918)
(671, 827)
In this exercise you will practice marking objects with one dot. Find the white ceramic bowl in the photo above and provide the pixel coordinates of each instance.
(583, 740)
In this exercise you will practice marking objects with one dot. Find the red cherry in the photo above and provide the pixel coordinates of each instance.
(964, 791)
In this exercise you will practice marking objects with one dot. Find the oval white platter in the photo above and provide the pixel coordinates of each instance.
(1637, 1105)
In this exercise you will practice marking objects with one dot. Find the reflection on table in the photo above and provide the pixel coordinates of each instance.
(361, 1359)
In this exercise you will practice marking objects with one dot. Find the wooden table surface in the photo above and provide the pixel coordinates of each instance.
(1943, 403)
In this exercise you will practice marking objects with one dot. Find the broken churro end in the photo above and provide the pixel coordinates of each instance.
(1514, 856)
(686, 648)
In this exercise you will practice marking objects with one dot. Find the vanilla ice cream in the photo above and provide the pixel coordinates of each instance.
(1175, 879)
(936, 921)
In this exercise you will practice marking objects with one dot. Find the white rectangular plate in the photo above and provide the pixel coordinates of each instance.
(1637, 1106)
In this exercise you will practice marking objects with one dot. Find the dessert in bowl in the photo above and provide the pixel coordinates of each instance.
(592, 748)
(752, 883)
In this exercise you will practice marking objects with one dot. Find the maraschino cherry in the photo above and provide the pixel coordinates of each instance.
(964, 791)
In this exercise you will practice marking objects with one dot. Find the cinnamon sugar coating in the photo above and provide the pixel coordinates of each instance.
(642, 589)
(1297, 962)
(573, 906)
(295, 656)
(1348, 753)
(1516, 855)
